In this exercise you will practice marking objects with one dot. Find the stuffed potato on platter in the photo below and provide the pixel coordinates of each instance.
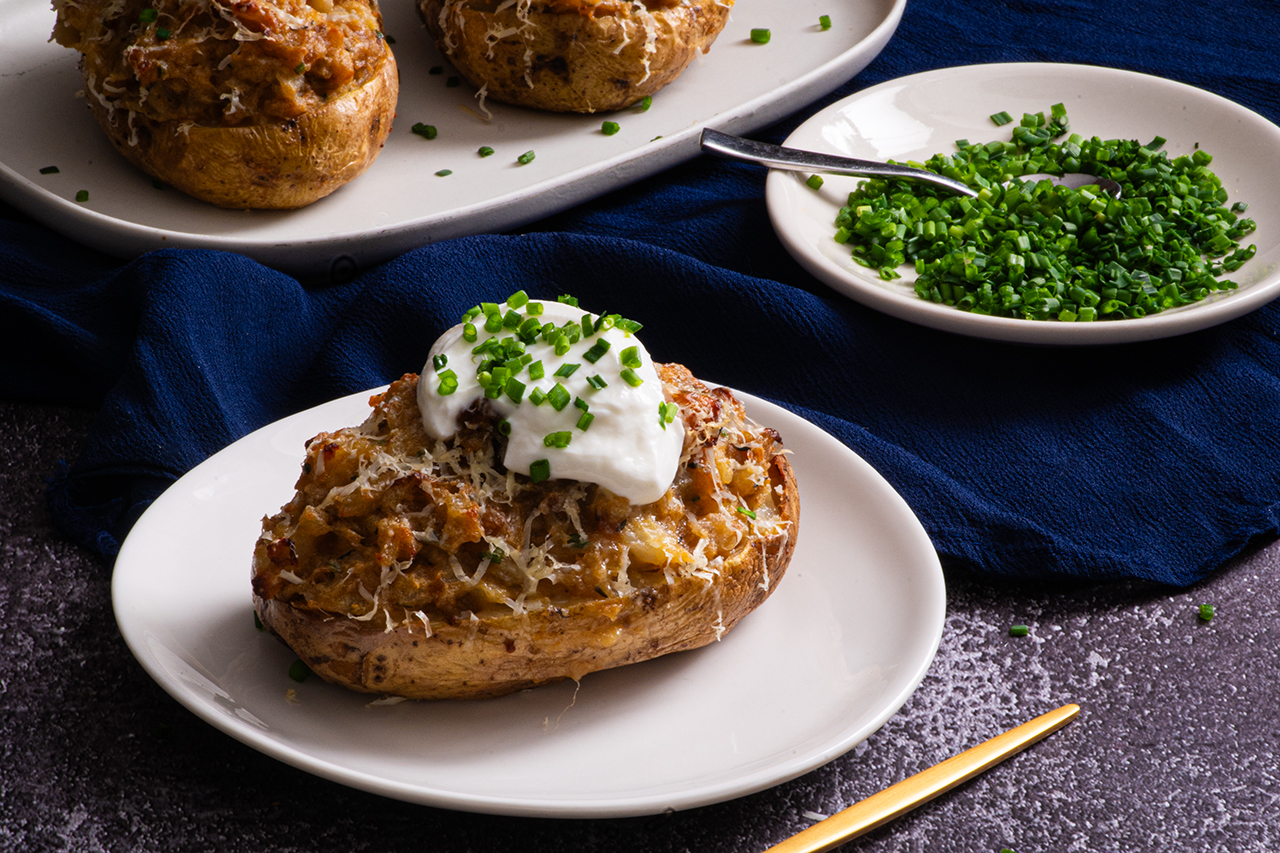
(573, 55)
(240, 103)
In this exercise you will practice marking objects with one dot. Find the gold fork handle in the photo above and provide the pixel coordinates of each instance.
(896, 800)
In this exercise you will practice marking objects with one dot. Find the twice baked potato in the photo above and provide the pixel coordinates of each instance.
(573, 55)
(420, 567)
(240, 103)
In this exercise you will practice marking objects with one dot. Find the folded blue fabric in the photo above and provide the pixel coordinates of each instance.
(1154, 460)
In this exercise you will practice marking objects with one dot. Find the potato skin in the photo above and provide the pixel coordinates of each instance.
(571, 61)
(493, 657)
(472, 654)
(282, 164)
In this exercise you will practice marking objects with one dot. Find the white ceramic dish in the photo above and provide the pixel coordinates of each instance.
(918, 116)
(400, 203)
(830, 656)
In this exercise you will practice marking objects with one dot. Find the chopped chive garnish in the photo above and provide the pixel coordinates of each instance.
(1019, 631)
(824, 21)
(300, 68)
(760, 35)
(540, 470)
(566, 299)
(536, 370)
(1206, 612)
(515, 389)
(82, 195)
(1001, 118)
(533, 309)
(537, 395)
(742, 510)
(645, 103)
(484, 151)
(439, 361)
(630, 357)
(162, 33)
(298, 671)
(597, 382)
(444, 173)
(148, 16)
(526, 158)
(49, 170)
(566, 370)
(494, 556)
(609, 128)
(584, 420)
(632, 378)
(469, 333)
(559, 439)
(426, 131)
(666, 413)
(581, 404)
(814, 182)
(504, 427)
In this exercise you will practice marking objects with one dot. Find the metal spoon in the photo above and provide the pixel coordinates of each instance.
(796, 160)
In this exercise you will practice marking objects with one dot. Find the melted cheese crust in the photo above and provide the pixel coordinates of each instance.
(392, 527)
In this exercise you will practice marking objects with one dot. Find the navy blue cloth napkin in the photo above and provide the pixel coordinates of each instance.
(1155, 460)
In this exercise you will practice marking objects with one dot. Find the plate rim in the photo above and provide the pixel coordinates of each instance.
(861, 289)
(932, 596)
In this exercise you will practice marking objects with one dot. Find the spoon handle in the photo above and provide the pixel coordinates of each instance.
(897, 800)
(795, 160)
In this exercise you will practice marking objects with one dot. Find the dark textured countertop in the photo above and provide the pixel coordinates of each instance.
(1175, 748)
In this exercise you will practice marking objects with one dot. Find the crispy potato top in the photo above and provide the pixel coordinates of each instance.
(222, 63)
(389, 525)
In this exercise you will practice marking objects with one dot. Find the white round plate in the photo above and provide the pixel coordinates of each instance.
(400, 203)
(821, 665)
(918, 116)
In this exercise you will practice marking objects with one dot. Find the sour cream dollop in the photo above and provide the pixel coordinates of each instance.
(632, 440)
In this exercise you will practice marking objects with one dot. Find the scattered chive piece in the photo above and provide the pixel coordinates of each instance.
(444, 173)
(534, 309)
(581, 404)
(630, 357)
(518, 299)
(300, 68)
(597, 351)
(597, 382)
(824, 21)
(469, 333)
(1019, 631)
(82, 195)
(1001, 118)
(609, 128)
(814, 182)
(494, 556)
(747, 512)
(559, 439)
(760, 35)
(645, 103)
(536, 370)
(162, 33)
(504, 427)
(526, 158)
(630, 377)
(515, 389)
(584, 420)
(540, 470)
(49, 170)
(299, 671)
(426, 131)
(453, 82)
(439, 361)
(148, 16)
(566, 370)
(484, 151)
(566, 299)
(558, 397)
(537, 395)
(1206, 612)
(666, 413)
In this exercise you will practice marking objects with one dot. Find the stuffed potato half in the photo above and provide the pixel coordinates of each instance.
(573, 55)
(413, 566)
(241, 103)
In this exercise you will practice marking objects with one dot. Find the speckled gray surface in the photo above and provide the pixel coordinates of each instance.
(1175, 749)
